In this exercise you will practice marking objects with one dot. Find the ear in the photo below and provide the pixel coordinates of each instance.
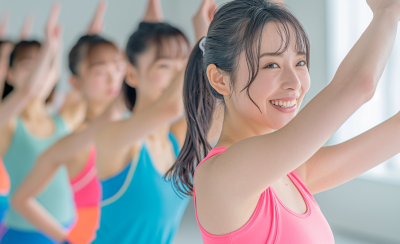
(73, 80)
(131, 75)
(217, 80)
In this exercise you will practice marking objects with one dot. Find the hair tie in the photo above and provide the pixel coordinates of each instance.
(202, 45)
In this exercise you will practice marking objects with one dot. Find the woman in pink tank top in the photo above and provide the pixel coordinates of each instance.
(256, 185)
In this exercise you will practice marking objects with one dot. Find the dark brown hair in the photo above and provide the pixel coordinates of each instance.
(18, 53)
(159, 35)
(237, 27)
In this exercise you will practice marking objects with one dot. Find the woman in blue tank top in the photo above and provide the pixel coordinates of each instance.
(25, 136)
(134, 154)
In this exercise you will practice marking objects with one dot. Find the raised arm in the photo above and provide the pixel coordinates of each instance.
(27, 27)
(5, 51)
(203, 18)
(34, 85)
(335, 165)
(97, 25)
(59, 153)
(154, 12)
(270, 157)
(115, 137)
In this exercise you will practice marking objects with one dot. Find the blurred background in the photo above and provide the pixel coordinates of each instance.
(363, 211)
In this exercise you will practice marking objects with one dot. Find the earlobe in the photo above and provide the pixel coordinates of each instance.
(217, 80)
(131, 76)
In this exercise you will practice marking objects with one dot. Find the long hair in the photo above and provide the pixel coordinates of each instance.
(237, 27)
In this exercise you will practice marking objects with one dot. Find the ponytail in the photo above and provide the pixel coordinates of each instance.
(200, 104)
(236, 28)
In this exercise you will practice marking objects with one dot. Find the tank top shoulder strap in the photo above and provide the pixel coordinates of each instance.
(61, 126)
(175, 143)
(213, 152)
(294, 176)
(89, 166)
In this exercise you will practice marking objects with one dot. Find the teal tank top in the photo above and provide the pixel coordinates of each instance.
(139, 206)
(20, 158)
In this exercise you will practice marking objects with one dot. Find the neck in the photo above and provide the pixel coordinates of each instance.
(36, 109)
(235, 129)
(95, 109)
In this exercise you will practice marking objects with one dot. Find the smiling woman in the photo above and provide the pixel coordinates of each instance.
(256, 184)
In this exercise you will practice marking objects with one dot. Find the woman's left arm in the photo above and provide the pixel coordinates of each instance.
(334, 165)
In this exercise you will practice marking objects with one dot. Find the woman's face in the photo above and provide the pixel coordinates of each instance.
(101, 74)
(155, 72)
(22, 66)
(279, 88)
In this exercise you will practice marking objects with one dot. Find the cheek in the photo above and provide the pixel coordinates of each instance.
(160, 79)
(95, 87)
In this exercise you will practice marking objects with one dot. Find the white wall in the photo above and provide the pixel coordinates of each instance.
(121, 19)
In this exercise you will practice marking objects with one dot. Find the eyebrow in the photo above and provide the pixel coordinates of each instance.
(96, 64)
(299, 53)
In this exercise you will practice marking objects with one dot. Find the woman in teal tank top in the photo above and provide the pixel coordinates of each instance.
(26, 136)
(138, 205)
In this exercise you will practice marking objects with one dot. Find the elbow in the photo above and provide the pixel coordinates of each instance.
(363, 87)
(368, 87)
(17, 202)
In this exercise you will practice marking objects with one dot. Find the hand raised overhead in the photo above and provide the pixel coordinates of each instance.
(97, 25)
(203, 18)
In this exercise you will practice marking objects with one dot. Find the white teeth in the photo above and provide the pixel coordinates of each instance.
(284, 104)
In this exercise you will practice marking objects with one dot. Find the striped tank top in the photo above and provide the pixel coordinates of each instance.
(139, 206)
(86, 187)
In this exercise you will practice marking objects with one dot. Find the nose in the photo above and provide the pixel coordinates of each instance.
(291, 80)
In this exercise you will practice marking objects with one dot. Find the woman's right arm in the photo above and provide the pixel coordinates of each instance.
(265, 159)
(154, 12)
(115, 137)
(17, 100)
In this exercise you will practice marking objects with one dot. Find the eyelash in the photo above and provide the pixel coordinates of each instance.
(268, 65)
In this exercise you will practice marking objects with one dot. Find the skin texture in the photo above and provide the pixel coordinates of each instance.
(228, 185)
(99, 79)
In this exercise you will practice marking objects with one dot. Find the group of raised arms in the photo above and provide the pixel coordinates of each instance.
(143, 131)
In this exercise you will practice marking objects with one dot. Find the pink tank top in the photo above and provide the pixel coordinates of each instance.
(4, 180)
(273, 223)
(85, 185)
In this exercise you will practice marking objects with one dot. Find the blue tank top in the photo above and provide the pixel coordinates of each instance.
(139, 206)
(20, 158)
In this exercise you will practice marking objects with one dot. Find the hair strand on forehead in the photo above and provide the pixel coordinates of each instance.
(237, 27)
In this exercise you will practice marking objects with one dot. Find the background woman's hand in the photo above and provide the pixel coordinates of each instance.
(97, 25)
(203, 18)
